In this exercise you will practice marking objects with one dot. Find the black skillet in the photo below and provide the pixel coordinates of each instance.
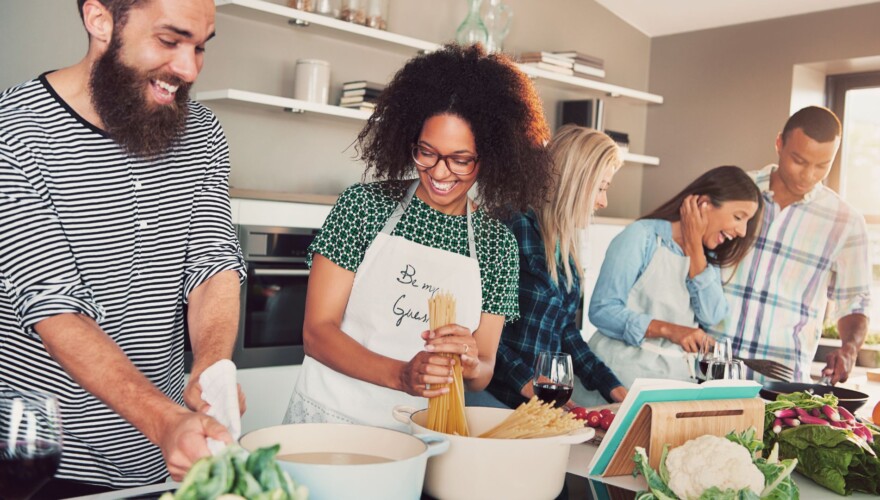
(848, 398)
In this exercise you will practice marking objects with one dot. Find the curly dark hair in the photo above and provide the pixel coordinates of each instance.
(488, 92)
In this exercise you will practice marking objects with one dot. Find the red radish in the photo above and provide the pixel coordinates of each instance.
(809, 419)
(831, 413)
(840, 424)
(594, 419)
(846, 415)
(777, 426)
(815, 412)
(802, 413)
(791, 422)
(605, 411)
(786, 413)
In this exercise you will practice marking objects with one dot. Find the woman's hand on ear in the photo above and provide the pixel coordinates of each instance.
(694, 221)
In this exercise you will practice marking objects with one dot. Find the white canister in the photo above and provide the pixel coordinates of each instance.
(312, 81)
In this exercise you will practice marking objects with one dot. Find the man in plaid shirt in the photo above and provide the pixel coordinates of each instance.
(812, 248)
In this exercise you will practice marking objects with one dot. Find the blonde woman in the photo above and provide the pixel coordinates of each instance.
(551, 269)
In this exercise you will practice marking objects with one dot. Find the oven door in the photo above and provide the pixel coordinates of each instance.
(273, 306)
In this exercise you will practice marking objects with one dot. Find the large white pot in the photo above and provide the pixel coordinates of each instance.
(478, 468)
(399, 479)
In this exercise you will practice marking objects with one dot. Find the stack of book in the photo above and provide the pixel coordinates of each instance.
(583, 64)
(548, 61)
(360, 94)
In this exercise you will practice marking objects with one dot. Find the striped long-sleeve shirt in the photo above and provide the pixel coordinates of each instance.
(87, 229)
(813, 251)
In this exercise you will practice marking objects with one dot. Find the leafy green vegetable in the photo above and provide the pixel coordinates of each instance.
(832, 457)
(658, 487)
(777, 476)
(234, 471)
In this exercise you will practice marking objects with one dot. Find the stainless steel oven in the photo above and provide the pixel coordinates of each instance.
(273, 299)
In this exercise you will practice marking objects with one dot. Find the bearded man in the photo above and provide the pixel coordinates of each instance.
(114, 213)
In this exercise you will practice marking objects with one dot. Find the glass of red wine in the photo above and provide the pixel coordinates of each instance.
(554, 378)
(30, 442)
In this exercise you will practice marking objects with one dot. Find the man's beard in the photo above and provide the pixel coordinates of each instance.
(119, 95)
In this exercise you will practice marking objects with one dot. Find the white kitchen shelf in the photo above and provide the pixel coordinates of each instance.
(267, 12)
(596, 86)
(285, 103)
(262, 11)
(643, 159)
(296, 105)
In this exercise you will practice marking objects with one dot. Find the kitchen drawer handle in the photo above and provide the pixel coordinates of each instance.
(281, 272)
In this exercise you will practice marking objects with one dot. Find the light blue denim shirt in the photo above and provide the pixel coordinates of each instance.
(627, 258)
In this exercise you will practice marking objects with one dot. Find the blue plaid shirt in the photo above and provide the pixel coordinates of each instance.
(547, 323)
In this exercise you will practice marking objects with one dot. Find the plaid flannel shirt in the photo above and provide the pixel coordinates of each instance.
(547, 323)
(813, 251)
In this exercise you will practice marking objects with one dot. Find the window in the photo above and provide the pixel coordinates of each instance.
(855, 98)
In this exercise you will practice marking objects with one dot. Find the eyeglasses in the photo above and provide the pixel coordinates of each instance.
(426, 159)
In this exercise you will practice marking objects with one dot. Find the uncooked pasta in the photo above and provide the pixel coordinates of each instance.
(534, 420)
(446, 412)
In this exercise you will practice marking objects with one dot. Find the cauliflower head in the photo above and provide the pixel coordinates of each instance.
(708, 461)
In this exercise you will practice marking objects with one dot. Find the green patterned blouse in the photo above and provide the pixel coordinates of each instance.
(361, 212)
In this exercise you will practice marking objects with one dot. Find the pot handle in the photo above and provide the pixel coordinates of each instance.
(576, 436)
(402, 413)
(437, 444)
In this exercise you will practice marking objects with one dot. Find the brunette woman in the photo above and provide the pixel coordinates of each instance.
(660, 284)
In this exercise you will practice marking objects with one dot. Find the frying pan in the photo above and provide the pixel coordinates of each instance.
(848, 398)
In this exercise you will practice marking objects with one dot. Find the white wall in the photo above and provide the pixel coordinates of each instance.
(278, 151)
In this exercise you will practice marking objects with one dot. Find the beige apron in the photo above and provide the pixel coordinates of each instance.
(387, 311)
(660, 292)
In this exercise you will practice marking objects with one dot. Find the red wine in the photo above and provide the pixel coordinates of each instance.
(556, 394)
(23, 472)
(704, 365)
(717, 371)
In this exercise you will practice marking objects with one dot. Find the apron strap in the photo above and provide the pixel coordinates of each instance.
(405, 202)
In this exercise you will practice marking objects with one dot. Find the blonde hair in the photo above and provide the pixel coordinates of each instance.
(581, 158)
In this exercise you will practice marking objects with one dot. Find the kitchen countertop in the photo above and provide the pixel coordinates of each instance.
(580, 486)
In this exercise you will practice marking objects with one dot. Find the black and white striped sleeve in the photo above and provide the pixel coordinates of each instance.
(37, 267)
(212, 246)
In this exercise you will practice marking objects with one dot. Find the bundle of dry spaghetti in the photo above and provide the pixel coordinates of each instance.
(534, 420)
(446, 412)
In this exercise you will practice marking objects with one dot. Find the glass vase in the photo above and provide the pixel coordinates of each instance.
(497, 21)
(472, 30)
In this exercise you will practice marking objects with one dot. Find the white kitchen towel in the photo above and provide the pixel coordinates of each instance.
(220, 390)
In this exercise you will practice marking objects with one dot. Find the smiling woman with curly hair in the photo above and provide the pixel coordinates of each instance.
(447, 121)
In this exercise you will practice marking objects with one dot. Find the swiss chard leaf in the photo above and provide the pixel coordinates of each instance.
(831, 457)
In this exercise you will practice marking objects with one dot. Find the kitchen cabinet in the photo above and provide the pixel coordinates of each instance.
(316, 24)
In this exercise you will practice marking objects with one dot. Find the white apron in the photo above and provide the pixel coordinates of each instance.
(660, 292)
(387, 311)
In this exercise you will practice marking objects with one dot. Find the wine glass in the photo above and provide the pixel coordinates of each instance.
(706, 352)
(30, 442)
(554, 378)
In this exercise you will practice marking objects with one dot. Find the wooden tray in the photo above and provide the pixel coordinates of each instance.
(677, 422)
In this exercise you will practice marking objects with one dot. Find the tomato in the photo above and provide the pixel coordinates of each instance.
(594, 419)
(579, 412)
(605, 421)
